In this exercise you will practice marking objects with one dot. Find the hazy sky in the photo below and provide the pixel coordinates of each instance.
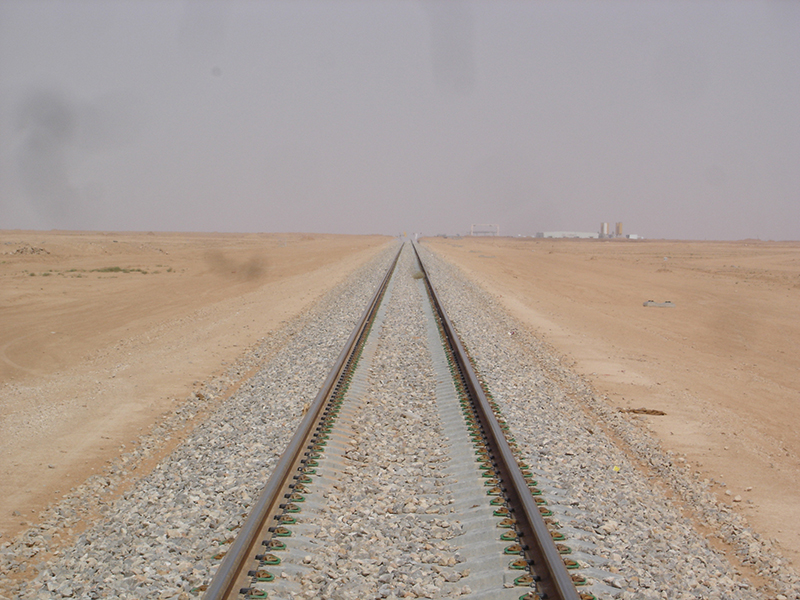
(680, 119)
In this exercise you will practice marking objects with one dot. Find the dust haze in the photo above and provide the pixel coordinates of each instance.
(678, 119)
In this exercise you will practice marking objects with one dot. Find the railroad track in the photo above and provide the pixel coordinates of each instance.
(401, 484)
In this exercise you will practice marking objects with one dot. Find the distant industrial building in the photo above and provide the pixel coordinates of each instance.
(605, 230)
(604, 233)
(568, 234)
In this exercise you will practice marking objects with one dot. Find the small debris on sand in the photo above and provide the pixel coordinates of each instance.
(665, 304)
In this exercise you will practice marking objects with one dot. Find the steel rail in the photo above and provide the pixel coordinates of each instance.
(552, 577)
(232, 570)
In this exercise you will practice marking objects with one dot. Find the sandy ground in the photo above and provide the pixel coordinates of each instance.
(723, 363)
(102, 333)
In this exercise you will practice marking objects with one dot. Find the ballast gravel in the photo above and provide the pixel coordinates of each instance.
(385, 519)
(558, 420)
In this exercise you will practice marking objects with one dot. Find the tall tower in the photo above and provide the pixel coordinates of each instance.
(618, 229)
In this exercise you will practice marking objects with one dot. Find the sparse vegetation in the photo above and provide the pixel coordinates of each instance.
(77, 272)
(119, 270)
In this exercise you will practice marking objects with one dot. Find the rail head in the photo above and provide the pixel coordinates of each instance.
(537, 543)
(232, 571)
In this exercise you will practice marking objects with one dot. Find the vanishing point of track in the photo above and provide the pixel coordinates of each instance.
(512, 540)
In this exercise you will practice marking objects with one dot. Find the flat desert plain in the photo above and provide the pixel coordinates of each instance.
(723, 363)
(102, 334)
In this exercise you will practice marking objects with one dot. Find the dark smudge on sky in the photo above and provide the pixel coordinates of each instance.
(46, 125)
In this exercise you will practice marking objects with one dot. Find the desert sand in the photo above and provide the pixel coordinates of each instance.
(102, 334)
(723, 363)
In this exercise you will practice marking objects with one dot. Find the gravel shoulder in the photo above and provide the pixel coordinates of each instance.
(649, 513)
(104, 334)
(713, 375)
(73, 514)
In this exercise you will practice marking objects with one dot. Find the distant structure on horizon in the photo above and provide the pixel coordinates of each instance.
(605, 233)
(484, 230)
(568, 234)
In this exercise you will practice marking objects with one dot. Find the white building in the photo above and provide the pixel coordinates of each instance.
(568, 234)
